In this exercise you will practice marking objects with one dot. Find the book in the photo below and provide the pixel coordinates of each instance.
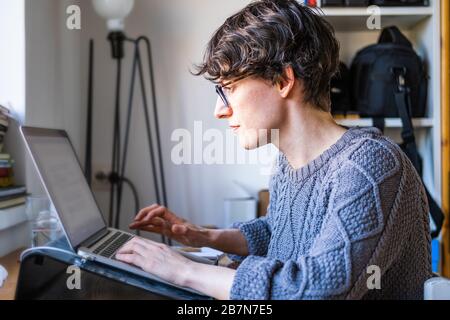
(4, 123)
(11, 191)
(5, 198)
(5, 163)
(5, 172)
(6, 182)
(5, 156)
(12, 202)
(4, 110)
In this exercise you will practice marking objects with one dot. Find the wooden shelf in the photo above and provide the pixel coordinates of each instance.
(355, 18)
(390, 122)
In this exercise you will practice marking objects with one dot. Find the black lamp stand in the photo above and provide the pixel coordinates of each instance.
(119, 157)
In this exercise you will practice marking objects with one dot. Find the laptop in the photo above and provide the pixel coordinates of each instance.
(82, 222)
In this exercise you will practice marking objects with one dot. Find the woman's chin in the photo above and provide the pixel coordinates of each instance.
(248, 144)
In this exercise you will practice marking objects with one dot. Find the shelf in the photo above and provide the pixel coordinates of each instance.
(14, 229)
(390, 122)
(354, 19)
(385, 11)
(11, 217)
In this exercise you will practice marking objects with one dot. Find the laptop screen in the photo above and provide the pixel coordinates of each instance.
(65, 182)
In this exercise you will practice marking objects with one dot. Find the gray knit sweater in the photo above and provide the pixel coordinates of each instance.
(360, 204)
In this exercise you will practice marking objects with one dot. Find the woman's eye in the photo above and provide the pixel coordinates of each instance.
(232, 88)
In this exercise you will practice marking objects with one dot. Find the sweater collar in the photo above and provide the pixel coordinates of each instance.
(306, 171)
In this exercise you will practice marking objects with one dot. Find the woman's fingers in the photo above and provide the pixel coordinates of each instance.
(145, 211)
(178, 232)
(139, 246)
(151, 256)
(133, 252)
(157, 212)
(149, 215)
(158, 219)
(150, 243)
(135, 245)
(151, 229)
(155, 221)
(131, 258)
(160, 229)
(163, 231)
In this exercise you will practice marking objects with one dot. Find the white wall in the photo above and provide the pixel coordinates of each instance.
(179, 31)
(12, 76)
(12, 56)
(53, 75)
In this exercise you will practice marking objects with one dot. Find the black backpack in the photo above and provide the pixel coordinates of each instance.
(389, 80)
(340, 91)
(372, 81)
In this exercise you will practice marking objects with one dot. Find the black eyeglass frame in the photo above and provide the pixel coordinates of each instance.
(221, 94)
(219, 91)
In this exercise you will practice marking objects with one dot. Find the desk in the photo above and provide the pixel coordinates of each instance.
(11, 264)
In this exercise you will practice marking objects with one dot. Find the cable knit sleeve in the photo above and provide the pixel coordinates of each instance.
(366, 224)
(257, 234)
(258, 231)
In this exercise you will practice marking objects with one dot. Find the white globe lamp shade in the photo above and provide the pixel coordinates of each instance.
(114, 11)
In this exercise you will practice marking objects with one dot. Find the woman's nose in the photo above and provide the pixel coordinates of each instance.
(222, 111)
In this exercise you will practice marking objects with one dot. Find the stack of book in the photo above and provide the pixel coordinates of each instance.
(4, 124)
(6, 171)
(10, 195)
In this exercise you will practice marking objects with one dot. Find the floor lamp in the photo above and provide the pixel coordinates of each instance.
(115, 11)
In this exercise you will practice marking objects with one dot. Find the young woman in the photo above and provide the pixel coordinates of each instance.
(348, 216)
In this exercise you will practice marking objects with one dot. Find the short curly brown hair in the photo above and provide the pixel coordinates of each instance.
(269, 35)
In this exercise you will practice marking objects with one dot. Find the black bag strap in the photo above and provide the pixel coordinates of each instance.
(379, 123)
(402, 100)
(393, 35)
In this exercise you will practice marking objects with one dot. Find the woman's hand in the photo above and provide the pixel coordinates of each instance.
(159, 219)
(157, 259)
(169, 265)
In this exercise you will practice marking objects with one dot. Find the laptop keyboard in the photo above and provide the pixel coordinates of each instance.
(109, 247)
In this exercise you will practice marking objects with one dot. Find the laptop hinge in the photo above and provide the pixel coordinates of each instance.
(94, 238)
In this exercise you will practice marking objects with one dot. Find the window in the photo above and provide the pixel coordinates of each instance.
(12, 56)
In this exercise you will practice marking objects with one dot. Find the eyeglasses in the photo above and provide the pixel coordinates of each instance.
(221, 93)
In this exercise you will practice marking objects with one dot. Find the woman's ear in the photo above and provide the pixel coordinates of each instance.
(286, 82)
